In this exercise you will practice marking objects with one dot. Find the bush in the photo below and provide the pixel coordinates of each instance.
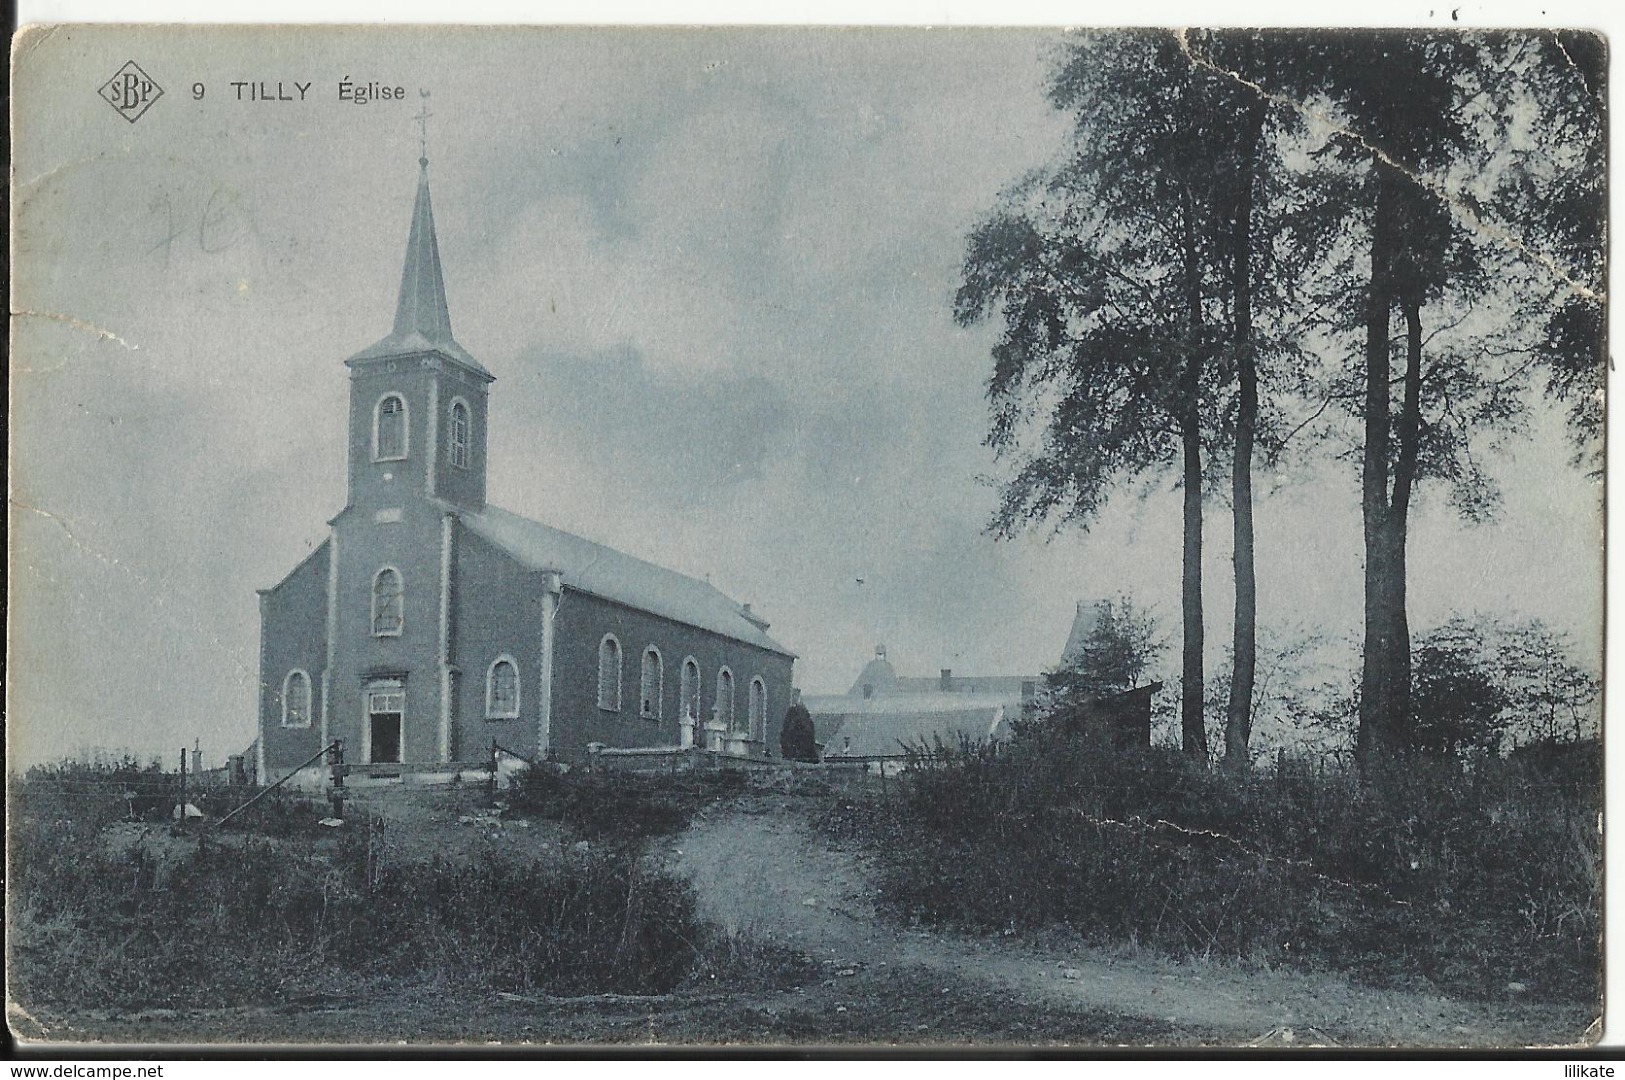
(1467, 874)
(97, 794)
(622, 805)
(215, 923)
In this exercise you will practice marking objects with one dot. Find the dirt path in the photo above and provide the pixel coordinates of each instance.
(761, 871)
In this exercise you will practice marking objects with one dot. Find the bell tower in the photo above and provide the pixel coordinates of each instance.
(416, 462)
(417, 398)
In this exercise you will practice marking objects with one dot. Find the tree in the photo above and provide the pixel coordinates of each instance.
(1427, 123)
(797, 737)
(1244, 640)
(1458, 701)
(1561, 185)
(1256, 220)
(1549, 696)
(1482, 682)
(1116, 653)
(1104, 269)
(1399, 93)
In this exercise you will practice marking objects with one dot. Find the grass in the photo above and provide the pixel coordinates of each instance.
(1462, 876)
(229, 919)
(1466, 876)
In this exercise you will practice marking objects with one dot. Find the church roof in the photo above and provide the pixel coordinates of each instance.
(595, 568)
(422, 319)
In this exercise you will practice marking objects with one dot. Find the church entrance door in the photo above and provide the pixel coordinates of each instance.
(385, 707)
(386, 737)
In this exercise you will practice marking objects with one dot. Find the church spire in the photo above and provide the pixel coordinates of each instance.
(422, 307)
(422, 318)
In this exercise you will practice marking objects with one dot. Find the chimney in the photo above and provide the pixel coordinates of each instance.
(945, 682)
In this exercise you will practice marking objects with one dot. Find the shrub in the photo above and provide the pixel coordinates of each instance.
(222, 922)
(622, 805)
(1469, 874)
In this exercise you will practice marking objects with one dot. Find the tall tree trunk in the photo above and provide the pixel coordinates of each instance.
(1409, 427)
(1244, 640)
(1374, 737)
(1192, 713)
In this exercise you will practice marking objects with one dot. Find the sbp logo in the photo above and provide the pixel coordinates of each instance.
(131, 91)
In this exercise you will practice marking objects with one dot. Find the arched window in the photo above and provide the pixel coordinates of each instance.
(609, 674)
(688, 702)
(389, 434)
(652, 684)
(387, 603)
(296, 699)
(457, 435)
(725, 697)
(502, 689)
(758, 708)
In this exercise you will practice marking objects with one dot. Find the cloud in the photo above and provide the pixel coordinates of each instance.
(667, 439)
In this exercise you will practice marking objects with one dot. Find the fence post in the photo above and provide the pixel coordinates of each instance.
(336, 758)
(180, 810)
(491, 781)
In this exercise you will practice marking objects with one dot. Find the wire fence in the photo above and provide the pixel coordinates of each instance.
(1104, 789)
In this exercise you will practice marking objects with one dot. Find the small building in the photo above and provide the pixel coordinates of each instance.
(885, 713)
(893, 726)
(1121, 720)
(880, 679)
(430, 624)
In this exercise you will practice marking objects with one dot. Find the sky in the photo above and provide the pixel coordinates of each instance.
(712, 271)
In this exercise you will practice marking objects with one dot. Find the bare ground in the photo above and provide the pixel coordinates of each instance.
(767, 878)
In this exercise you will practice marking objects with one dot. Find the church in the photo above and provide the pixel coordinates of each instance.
(430, 624)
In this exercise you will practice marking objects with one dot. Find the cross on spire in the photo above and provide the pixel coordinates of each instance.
(423, 130)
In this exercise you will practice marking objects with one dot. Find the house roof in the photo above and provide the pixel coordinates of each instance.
(880, 679)
(861, 727)
(422, 318)
(595, 568)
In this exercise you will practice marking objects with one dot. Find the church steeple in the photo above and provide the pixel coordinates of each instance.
(421, 308)
(422, 317)
(418, 400)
